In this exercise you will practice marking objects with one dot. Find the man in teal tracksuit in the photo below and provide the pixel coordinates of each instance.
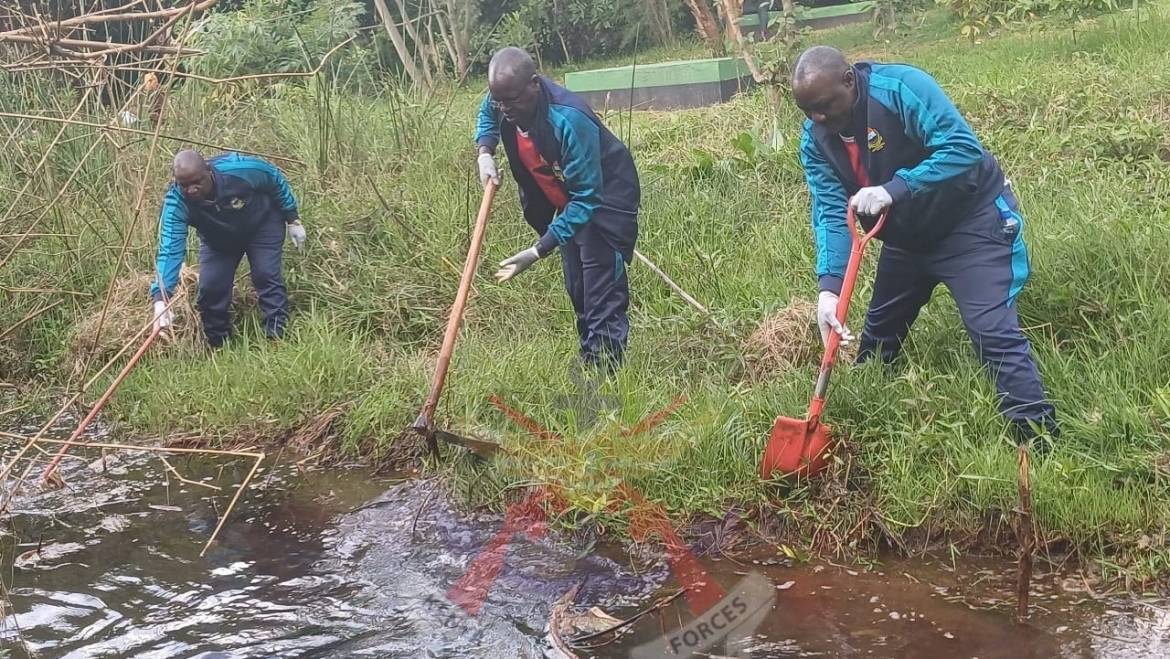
(886, 137)
(579, 191)
(240, 205)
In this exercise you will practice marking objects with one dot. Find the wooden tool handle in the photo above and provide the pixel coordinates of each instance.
(456, 317)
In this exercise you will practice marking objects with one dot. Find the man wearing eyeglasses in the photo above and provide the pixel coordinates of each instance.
(578, 189)
(239, 205)
(885, 138)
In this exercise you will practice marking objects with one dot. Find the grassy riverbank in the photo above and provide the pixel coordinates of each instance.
(1073, 111)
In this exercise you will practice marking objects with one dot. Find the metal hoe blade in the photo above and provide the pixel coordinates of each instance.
(479, 447)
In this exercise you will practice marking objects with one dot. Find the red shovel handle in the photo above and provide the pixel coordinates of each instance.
(859, 242)
(847, 284)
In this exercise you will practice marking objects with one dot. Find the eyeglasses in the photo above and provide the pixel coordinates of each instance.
(504, 104)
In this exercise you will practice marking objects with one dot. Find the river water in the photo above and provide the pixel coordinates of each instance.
(342, 563)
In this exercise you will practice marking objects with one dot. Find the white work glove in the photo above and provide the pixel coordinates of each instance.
(162, 315)
(514, 265)
(296, 233)
(871, 201)
(827, 318)
(487, 169)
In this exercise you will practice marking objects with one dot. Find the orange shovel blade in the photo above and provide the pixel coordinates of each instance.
(796, 448)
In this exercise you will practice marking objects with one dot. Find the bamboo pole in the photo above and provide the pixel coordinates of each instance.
(670, 282)
(257, 455)
(39, 436)
(115, 15)
(138, 202)
(123, 129)
(31, 315)
(105, 398)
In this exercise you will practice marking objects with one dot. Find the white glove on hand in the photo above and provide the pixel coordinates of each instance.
(514, 265)
(162, 315)
(487, 169)
(827, 318)
(296, 233)
(871, 201)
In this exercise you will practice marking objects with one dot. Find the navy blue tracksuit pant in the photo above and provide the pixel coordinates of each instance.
(217, 271)
(984, 264)
(594, 262)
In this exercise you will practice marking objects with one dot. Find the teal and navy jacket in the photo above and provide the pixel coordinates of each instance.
(918, 147)
(248, 192)
(596, 169)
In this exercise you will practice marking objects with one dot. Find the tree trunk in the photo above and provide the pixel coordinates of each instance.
(707, 26)
(740, 44)
(788, 31)
(443, 18)
(732, 11)
(419, 47)
(433, 48)
(462, 22)
(399, 44)
(659, 14)
(407, 22)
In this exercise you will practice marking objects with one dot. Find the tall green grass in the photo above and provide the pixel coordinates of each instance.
(1073, 112)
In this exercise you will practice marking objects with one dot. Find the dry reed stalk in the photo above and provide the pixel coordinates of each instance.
(187, 481)
(138, 202)
(136, 131)
(1025, 534)
(112, 15)
(39, 436)
(52, 203)
(41, 163)
(31, 315)
(243, 486)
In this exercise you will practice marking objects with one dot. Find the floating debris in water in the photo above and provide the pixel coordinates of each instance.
(114, 523)
(43, 555)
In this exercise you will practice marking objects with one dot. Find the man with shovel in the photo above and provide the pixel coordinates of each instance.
(579, 191)
(885, 137)
(240, 205)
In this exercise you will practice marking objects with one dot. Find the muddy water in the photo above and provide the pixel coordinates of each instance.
(339, 563)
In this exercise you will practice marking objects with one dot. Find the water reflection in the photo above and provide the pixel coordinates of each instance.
(296, 574)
